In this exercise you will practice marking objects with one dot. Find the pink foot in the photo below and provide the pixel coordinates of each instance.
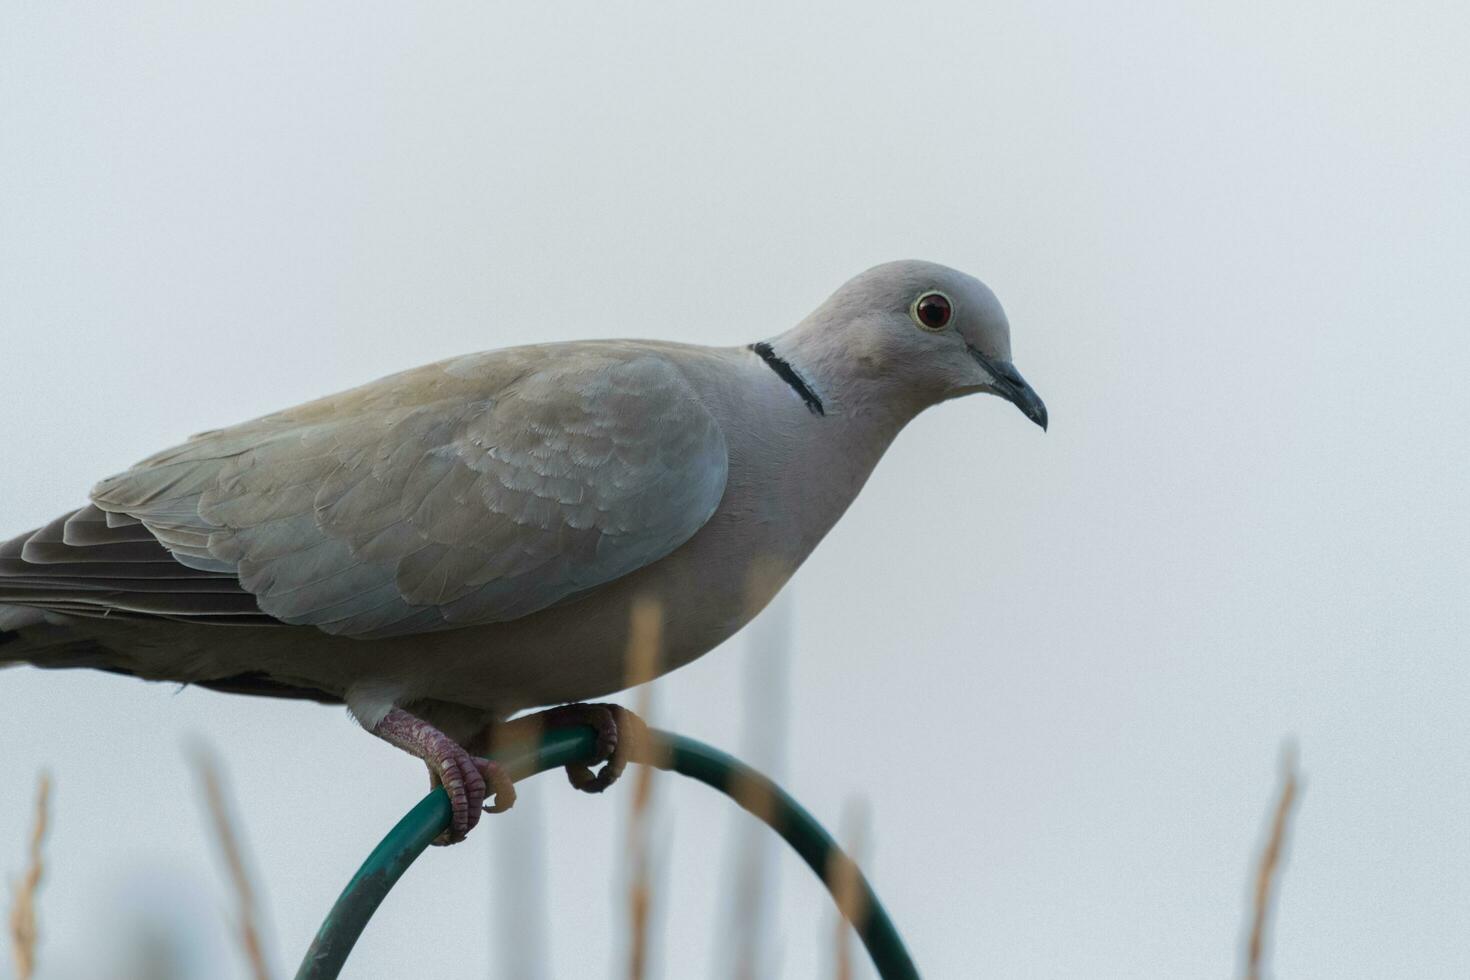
(621, 735)
(464, 777)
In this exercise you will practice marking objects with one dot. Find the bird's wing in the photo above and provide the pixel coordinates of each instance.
(88, 563)
(472, 491)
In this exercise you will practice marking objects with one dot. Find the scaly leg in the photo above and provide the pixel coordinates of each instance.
(463, 776)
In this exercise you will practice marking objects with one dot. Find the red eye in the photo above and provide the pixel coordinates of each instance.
(932, 310)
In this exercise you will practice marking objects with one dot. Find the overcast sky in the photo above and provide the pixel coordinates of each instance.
(1058, 668)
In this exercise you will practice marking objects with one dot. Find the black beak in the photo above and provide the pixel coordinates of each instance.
(1013, 388)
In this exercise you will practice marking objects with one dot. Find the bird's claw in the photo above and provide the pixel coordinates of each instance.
(499, 785)
(466, 780)
(469, 781)
(621, 736)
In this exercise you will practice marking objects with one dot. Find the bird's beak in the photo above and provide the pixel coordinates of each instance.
(1013, 388)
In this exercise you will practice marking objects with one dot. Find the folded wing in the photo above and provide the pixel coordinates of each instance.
(473, 491)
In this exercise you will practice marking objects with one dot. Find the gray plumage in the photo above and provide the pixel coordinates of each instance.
(469, 536)
(470, 492)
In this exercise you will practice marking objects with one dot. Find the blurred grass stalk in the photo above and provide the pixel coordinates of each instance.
(744, 948)
(518, 867)
(1268, 869)
(23, 912)
(845, 880)
(230, 850)
(645, 650)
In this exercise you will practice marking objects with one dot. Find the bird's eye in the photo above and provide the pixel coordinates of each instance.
(932, 311)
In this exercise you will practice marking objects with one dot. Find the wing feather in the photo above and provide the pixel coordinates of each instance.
(82, 565)
(473, 491)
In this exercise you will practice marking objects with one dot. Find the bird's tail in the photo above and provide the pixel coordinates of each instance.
(12, 619)
(28, 636)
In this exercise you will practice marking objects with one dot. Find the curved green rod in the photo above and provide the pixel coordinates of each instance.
(560, 746)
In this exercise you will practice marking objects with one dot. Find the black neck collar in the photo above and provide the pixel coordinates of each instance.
(788, 374)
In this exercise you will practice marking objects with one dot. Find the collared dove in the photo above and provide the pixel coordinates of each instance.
(448, 546)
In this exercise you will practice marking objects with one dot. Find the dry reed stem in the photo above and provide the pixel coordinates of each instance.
(746, 953)
(1269, 867)
(645, 642)
(224, 832)
(845, 880)
(748, 921)
(23, 913)
(763, 579)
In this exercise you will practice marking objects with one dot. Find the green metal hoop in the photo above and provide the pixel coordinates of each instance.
(559, 747)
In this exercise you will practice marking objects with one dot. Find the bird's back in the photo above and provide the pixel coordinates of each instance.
(475, 490)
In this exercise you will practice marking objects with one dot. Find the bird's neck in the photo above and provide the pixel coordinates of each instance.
(829, 449)
(840, 383)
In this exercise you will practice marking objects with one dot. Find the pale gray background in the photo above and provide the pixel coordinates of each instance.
(1233, 242)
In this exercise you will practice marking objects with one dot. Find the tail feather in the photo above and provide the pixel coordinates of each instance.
(32, 636)
(49, 642)
(12, 620)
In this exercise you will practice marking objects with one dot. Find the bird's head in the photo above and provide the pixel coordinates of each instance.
(920, 331)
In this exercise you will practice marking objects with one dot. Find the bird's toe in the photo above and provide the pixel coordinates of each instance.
(456, 770)
(498, 784)
(621, 736)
